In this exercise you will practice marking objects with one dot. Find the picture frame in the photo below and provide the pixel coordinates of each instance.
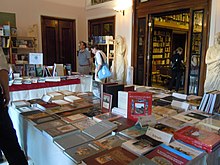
(106, 102)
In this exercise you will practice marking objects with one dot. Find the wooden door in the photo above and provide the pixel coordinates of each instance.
(58, 41)
(50, 40)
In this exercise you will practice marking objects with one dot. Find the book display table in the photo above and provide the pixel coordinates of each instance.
(32, 91)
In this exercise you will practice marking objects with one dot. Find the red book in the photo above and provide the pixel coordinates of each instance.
(197, 137)
(139, 104)
(123, 123)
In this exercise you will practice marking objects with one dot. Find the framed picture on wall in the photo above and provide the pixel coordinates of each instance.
(106, 102)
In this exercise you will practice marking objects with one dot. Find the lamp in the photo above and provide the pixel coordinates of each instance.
(122, 5)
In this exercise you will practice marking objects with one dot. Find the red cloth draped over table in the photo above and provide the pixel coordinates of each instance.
(43, 85)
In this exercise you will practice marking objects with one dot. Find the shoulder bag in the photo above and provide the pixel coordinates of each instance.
(104, 72)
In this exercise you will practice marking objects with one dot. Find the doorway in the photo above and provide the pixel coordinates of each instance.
(169, 32)
(59, 41)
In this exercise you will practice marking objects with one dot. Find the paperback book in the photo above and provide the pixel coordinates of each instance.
(106, 116)
(133, 132)
(50, 124)
(85, 123)
(74, 118)
(123, 123)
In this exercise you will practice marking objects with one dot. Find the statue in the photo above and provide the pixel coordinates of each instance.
(212, 60)
(119, 60)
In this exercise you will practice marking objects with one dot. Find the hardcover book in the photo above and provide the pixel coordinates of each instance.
(115, 156)
(100, 129)
(71, 140)
(165, 128)
(78, 153)
(106, 116)
(50, 124)
(123, 123)
(27, 109)
(59, 131)
(85, 123)
(133, 132)
(186, 148)
(136, 103)
(166, 155)
(197, 137)
(47, 106)
(74, 118)
(142, 160)
(20, 103)
(61, 102)
(163, 111)
(73, 99)
(141, 145)
(56, 95)
(173, 123)
(44, 119)
(210, 122)
(66, 92)
(110, 141)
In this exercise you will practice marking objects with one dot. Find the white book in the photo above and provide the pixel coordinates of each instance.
(123, 100)
(185, 119)
(120, 111)
(72, 98)
(179, 95)
(61, 102)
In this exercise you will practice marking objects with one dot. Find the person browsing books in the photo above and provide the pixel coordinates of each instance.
(84, 57)
(8, 139)
(99, 58)
(176, 64)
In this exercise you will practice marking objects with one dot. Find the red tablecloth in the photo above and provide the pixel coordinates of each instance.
(42, 85)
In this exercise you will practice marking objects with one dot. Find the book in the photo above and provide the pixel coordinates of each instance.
(50, 124)
(74, 118)
(20, 103)
(66, 92)
(106, 102)
(100, 129)
(110, 141)
(113, 90)
(123, 123)
(71, 140)
(47, 106)
(56, 95)
(106, 116)
(78, 153)
(85, 123)
(73, 99)
(197, 137)
(142, 160)
(173, 123)
(163, 111)
(44, 119)
(96, 88)
(55, 132)
(141, 145)
(186, 119)
(61, 102)
(166, 155)
(30, 70)
(210, 122)
(26, 109)
(165, 128)
(186, 148)
(116, 155)
(136, 103)
(133, 132)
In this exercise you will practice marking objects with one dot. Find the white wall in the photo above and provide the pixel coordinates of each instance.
(28, 12)
(215, 20)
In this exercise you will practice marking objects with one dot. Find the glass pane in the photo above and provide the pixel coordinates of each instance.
(108, 29)
(141, 50)
(95, 30)
(196, 51)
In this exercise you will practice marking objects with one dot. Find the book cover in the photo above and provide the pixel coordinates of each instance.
(141, 145)
(56, 95)
(123, 123)
(133, 132)
(74, 118)
(186, 148)
(110, 141)
(61, 102)
(166, 155)
(142, 160)
(106, 102)
(59, 130)
(71, 140)
(100, 129)
(197, 137)
(50, 124)
(20, 103)
(44, 119)
(85, 123)
(26, 109)
(37, 115)
(78, 153)
(106, 116)
(47, 106)
(139, 104)
(36, 101)
(173, 123)
(210, 122)
(73, 99)
(165, 128)
(66, 92)
(115, 156)
(163, 111)
(186, 119)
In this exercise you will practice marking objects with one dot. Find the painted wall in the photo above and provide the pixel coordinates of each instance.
(28, 12)
(215, 21)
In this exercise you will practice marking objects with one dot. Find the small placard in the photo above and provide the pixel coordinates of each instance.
(36, 58)
(144, 121)
(106, 102)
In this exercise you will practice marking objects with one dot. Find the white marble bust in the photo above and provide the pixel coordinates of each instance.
(212, 60)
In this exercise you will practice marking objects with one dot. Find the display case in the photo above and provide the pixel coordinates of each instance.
(195, 52)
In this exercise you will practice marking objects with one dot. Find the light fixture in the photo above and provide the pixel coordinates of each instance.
(122, 5)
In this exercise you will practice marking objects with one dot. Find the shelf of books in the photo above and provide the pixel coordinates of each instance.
(78, 128)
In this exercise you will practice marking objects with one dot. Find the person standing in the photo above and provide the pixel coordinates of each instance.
(176, 64)
(8, 139)
(100, 57)
(84, 57)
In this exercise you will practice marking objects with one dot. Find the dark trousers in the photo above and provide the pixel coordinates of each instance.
(8, 139)
(176, 76)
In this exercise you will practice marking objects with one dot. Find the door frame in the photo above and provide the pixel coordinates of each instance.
(73, 33)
